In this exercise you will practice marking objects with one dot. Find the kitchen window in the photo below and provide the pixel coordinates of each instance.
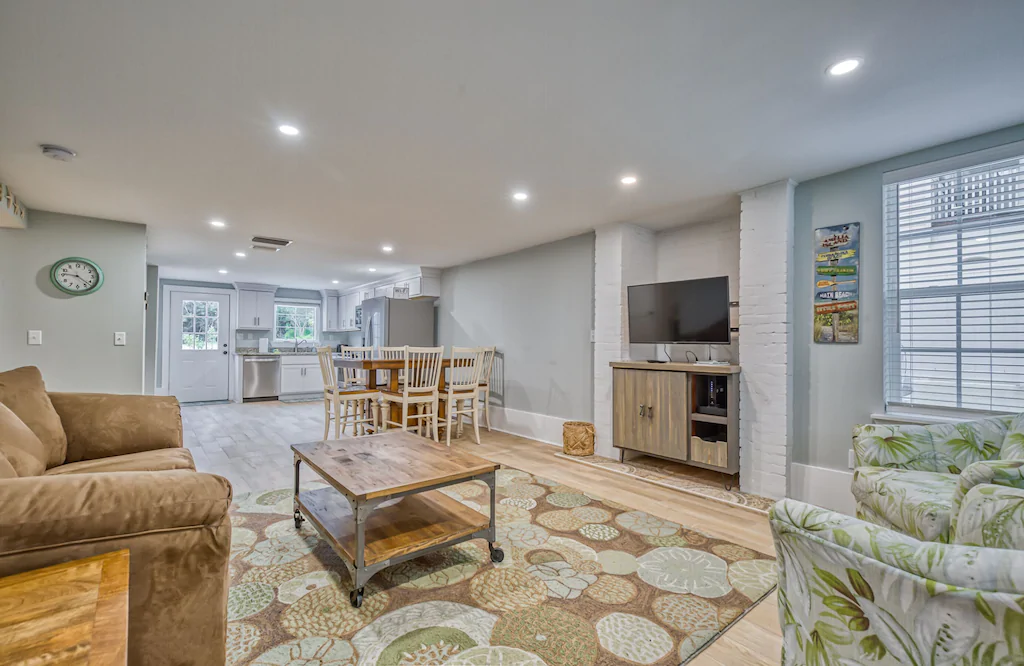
(954, 284)
(294, 322)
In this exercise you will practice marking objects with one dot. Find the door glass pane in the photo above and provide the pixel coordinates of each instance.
(200, 324)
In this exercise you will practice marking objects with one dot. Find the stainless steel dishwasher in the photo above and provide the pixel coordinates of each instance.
(261, 377)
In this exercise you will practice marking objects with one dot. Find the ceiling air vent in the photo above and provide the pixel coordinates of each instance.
(268, 244)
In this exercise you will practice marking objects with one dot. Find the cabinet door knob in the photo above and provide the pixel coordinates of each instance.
(642, 408)
(650, 412)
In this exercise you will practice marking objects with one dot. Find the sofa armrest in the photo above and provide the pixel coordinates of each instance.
(1008, 473)
(100, 425)
(47, 511)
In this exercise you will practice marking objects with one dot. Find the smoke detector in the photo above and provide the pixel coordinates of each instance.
(59, 153)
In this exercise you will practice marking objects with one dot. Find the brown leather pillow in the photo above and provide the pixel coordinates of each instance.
(24, 393)
(19, 447)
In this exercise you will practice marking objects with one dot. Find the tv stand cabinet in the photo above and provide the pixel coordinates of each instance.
(664, 410)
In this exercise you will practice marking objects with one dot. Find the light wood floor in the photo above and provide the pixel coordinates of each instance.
(249, 445)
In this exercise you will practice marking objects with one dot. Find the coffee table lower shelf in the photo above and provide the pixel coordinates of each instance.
(394, 532)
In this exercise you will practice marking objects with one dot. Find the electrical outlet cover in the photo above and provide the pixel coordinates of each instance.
(852, 462)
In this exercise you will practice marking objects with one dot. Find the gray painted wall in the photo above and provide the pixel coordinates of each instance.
(78, 352)
(537, 307)
(839, 386)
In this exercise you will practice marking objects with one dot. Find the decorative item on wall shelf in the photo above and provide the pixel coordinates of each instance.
(837, 283)
(9, 205)
(76, 276)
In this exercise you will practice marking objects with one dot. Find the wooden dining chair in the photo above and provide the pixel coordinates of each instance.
(336, 394)
(463, 389)
(391, 354)
(422, 369)
(485, 384)
(353, 378)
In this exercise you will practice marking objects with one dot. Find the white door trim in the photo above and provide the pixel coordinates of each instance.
(165, 332)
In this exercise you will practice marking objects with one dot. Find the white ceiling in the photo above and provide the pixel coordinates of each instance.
(419, 118)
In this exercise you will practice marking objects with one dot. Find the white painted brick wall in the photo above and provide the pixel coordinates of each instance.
(765, 319)
(624, 254)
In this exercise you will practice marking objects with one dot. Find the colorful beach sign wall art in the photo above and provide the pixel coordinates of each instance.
(837, 283)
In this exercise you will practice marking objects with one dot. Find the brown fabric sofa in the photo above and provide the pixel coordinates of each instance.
(84, 474)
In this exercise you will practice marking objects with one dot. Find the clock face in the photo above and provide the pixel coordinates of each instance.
(76, 276)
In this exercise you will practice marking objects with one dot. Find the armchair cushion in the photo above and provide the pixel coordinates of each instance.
(21, 452)
(24, 392)
(944, 447)
(991, 516)
(101, 425)
(914, 502)
(144, 461)
(1013, 445)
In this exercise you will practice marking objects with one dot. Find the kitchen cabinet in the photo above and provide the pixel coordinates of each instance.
(332, 315)
(384, 290)
(255, 309)
(301, 374)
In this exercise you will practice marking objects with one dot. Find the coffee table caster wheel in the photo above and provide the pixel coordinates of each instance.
(356, 597)
(497, 554)
(298, 520)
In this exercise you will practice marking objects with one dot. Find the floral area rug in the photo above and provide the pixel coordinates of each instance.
(584, 581)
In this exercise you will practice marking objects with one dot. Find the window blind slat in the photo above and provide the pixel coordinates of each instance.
(954, 288)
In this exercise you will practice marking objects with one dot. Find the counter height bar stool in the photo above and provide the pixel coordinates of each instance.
(422, 374)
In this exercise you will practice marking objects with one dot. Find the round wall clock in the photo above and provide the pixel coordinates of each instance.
(76, 276)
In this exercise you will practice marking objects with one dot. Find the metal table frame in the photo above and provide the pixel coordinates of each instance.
(361, 510)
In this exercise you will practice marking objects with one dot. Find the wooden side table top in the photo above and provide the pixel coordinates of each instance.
(72, 613)
(390, 463)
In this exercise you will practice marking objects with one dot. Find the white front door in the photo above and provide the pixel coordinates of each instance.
(199, 363)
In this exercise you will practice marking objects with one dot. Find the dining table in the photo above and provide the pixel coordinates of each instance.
(372, 365)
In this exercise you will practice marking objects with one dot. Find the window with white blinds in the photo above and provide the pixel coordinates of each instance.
(954, 288)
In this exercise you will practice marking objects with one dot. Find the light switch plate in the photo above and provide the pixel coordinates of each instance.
(35, 337)
(119, 339)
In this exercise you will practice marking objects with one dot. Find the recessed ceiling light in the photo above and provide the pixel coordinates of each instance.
(520, 196)
(387, 249)
(844, 66)
(240, 254)
(334, 282)
(223, 271)
(217, 223)
(628, 180)
(372, 270)
(288, 130)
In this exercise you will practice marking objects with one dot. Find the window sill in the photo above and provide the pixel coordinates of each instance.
(929, 416)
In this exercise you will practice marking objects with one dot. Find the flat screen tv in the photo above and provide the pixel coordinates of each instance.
(690, 311)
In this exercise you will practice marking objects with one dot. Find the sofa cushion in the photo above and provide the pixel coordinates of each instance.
(1013, 445)
(24, 392)
(24, 454)
(991, 516)
(145, 461)
(917, 503)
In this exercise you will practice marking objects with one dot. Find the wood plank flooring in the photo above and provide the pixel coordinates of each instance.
(249, 445)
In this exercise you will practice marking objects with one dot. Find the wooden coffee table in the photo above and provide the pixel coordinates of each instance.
(357, 514)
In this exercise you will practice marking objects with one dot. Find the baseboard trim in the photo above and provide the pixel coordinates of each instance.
(539, 427)
(822, 486)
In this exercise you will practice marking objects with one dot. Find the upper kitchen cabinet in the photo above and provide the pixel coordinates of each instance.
(340, 310)
(255, 306)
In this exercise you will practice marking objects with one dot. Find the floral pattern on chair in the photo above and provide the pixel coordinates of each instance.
(852, 592)
(913, 477)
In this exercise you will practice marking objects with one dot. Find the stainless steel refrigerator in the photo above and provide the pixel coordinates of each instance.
(396, 322)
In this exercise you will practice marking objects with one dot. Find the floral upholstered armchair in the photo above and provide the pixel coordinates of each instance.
(913, 478)
(852, 592)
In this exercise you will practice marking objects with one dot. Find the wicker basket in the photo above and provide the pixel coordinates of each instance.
(578, 438)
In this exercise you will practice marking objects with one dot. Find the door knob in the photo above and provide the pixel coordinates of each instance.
(224, 352)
